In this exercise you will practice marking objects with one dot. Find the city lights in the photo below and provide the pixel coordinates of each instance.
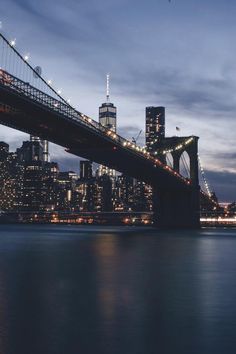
(155, 120)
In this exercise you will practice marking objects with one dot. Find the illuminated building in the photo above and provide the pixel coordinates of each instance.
(40, 177)
(86, 169)
(155, 133)
(155, 126)
(124, 193)
(29, 183)
(11, 176)
(86, 187)
(50, 178)
(44, 144)
(107, 118)
(66, 190)
(33, 190)
(107, 112)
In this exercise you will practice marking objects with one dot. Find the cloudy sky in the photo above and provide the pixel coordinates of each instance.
(179, 54)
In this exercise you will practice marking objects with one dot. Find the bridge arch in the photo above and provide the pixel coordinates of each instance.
(184, 164)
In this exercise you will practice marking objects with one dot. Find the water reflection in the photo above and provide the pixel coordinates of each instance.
(3, 313)
(87, 290)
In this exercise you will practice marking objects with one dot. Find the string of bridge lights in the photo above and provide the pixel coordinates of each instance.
(26, 58)
(176, 148)
(141, 150)
(147, 154)
(204, 177)
(209, 193)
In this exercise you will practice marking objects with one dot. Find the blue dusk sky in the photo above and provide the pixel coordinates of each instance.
(179, 54)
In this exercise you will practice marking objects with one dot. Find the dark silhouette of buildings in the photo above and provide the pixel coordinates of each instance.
(86, 171)
(29, 183)
(44, 144)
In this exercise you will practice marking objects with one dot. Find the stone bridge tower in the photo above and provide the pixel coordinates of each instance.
(173, 208)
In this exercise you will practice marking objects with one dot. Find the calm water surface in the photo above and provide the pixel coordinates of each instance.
(111, 290)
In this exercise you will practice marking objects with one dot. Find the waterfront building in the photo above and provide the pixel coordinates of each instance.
(30, 155)
(86, 187)
(50, 178)
(139, 203)
(103, 193)
(39, 190)
(29, 183)
(11, 177)
(66, 190)
(34, 191)
(124, 193)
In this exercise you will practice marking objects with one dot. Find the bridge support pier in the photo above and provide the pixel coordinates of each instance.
(175, 209)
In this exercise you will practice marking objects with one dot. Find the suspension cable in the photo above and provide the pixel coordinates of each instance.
(204, 177)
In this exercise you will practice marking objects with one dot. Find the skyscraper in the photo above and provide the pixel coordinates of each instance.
(86, 171)
(86, 186)
(44, 144)
(107, 111)
(31, 151)
(11, 176)
(107, 118)
(155, 126)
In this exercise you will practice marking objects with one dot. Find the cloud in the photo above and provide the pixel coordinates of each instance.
(223, 183)
(129, 132)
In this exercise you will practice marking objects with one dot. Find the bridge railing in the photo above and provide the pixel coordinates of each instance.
(41, 97)
(26, 78)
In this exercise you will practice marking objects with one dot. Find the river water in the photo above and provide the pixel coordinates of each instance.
(116, 290)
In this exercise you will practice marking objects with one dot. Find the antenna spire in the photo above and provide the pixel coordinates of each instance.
(108, 87)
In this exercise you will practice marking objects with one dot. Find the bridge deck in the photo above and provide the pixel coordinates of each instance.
(28, 109)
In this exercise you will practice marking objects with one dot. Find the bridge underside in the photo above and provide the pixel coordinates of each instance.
(177, 204)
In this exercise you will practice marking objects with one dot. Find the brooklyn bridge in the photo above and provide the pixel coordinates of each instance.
(30, 104)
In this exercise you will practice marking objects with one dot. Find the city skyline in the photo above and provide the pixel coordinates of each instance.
(29, 183)
(192, 93)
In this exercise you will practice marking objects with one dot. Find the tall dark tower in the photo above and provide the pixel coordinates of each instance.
(44, 144)
(155, 126)
(107, 112)
(86, 171)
